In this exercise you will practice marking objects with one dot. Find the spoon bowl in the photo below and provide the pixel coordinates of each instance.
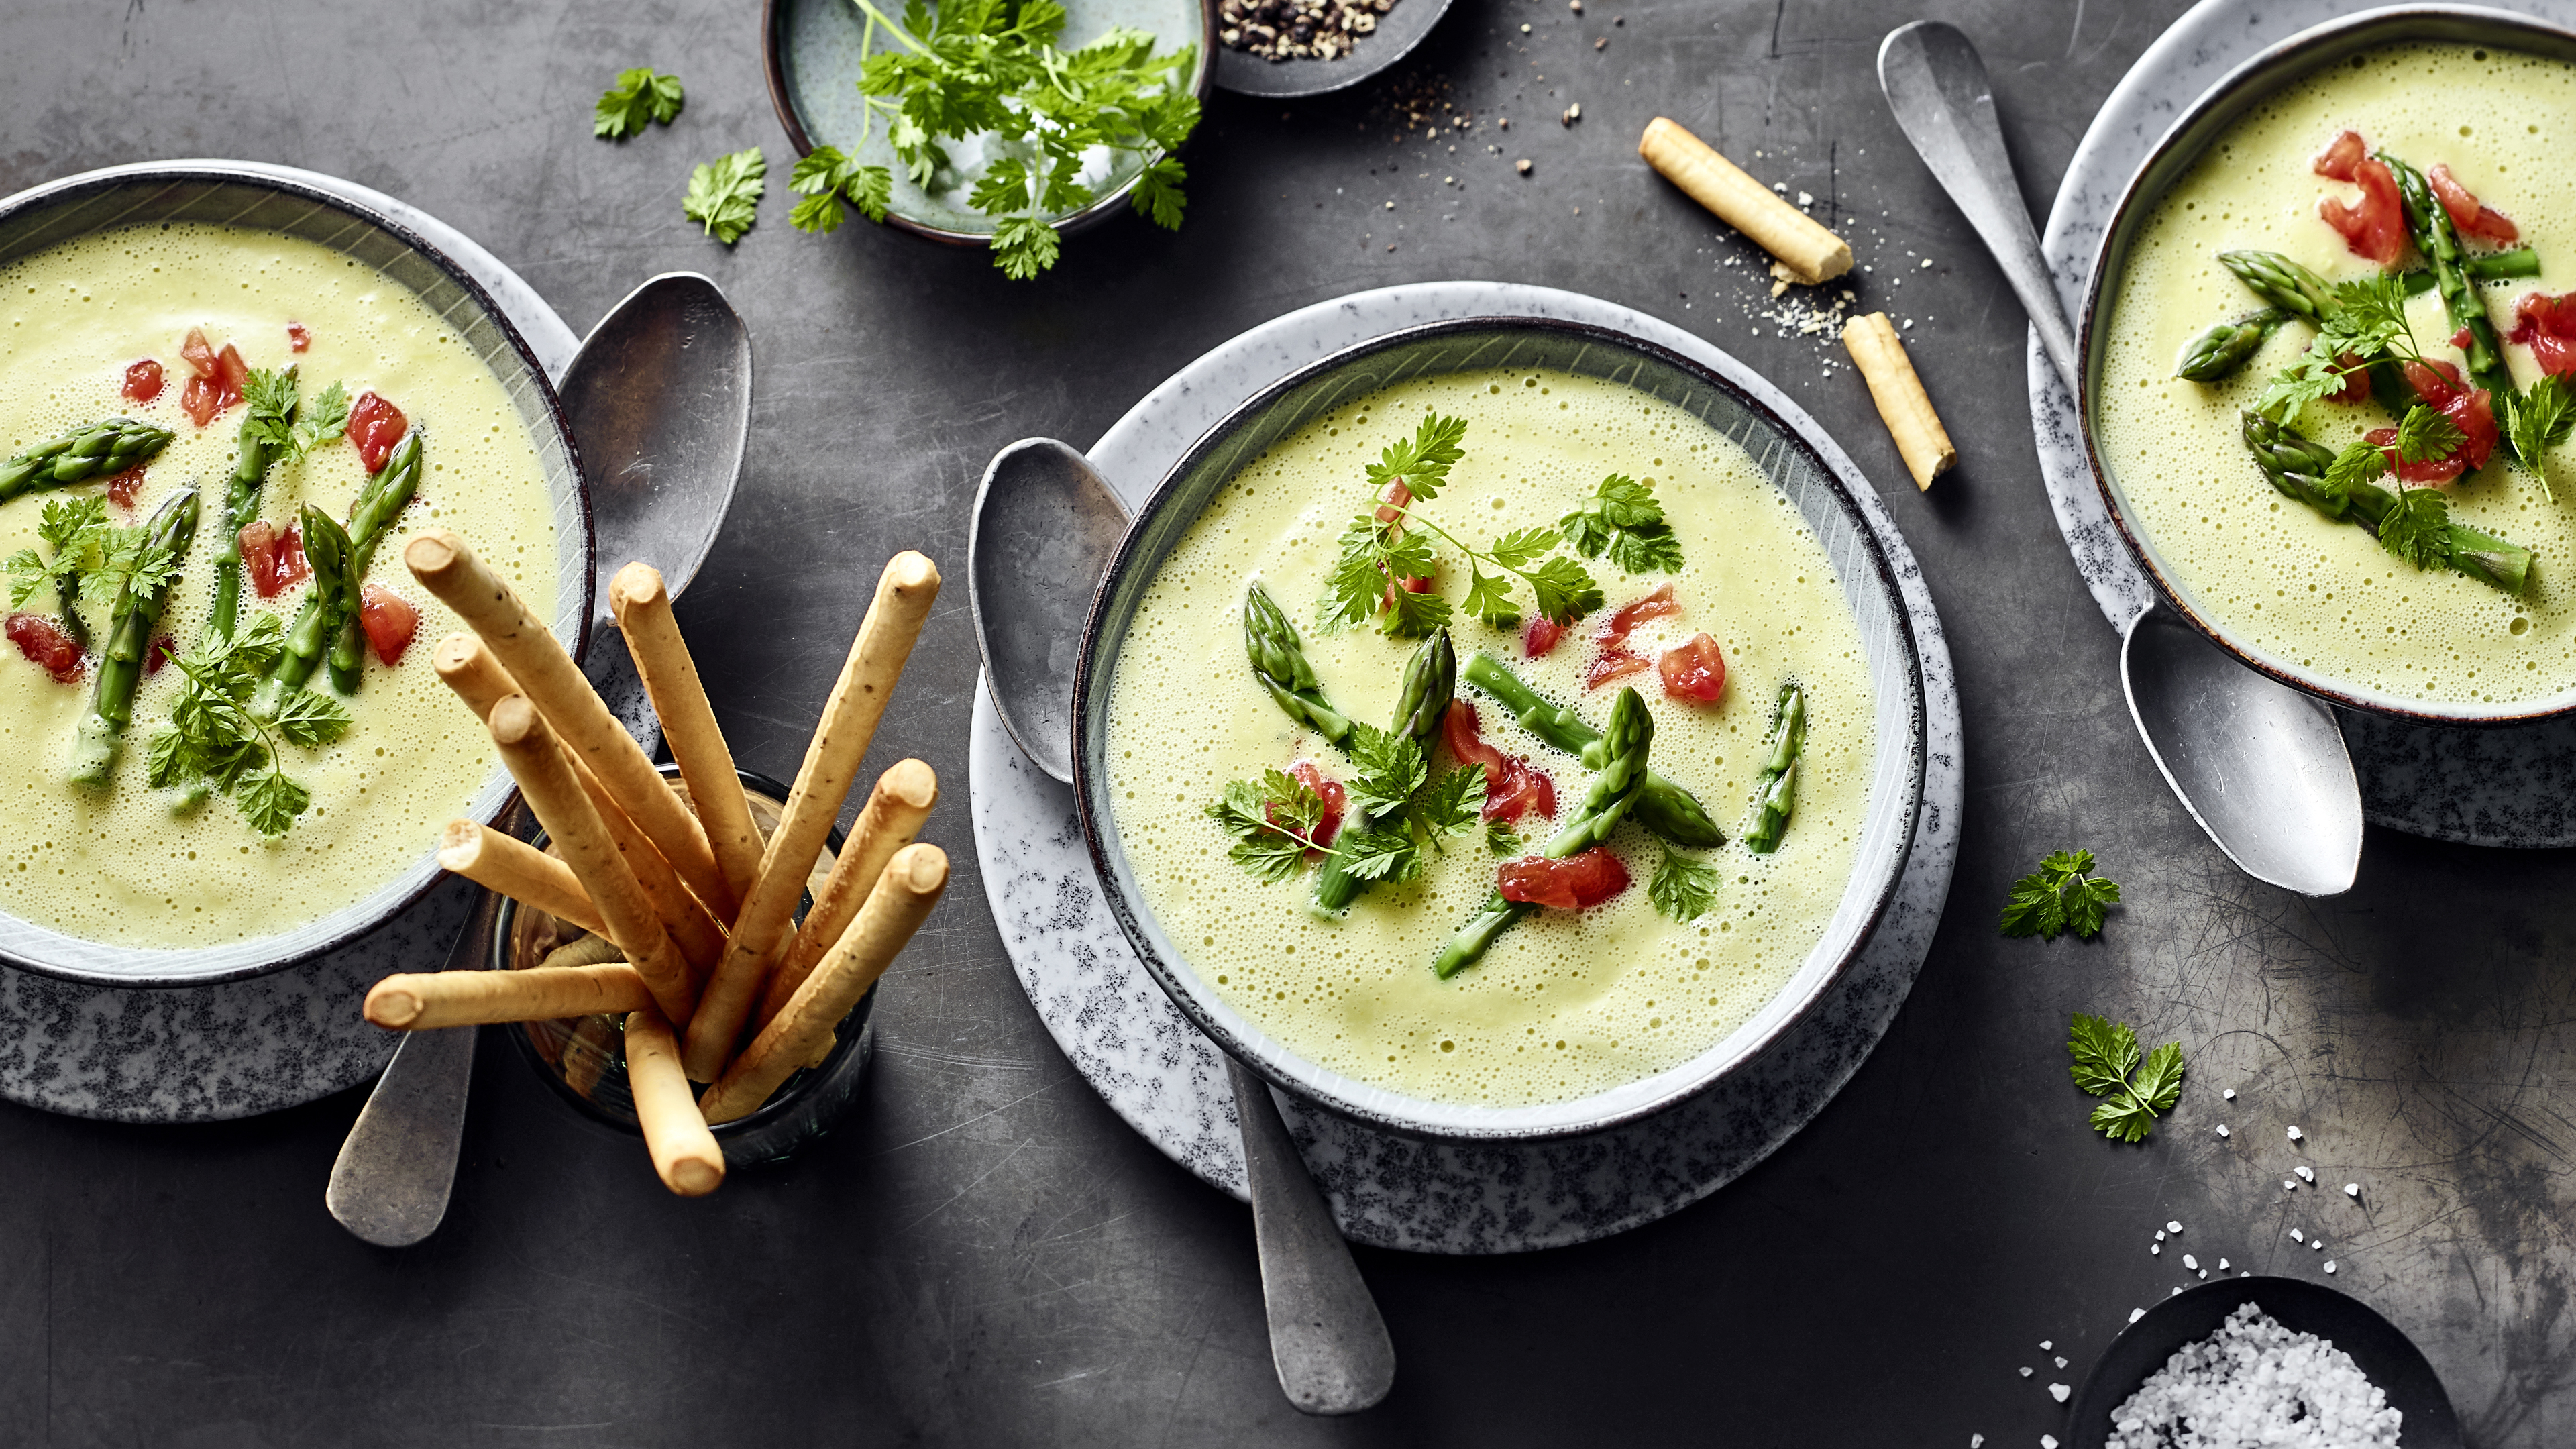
(1044, 528)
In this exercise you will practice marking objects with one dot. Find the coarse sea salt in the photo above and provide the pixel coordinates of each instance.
(2025, 1373)
(2155, 1250)
(2189, 1261)
(2173, 1227)
(2229, 1094)
(2136, 1313)
(2329, 1265)
(2222, 1265)
(2296, 1134)
(2061, 1362)
(2297, 1237)
(2059, 1392)
(2160, 1236)
(2352, 1189)
(2305, 1172)
(2222, 1129)
(2044, 1343)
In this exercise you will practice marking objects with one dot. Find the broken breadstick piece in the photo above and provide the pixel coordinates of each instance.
(670, 676)
(801, 1034)
(894, 814)
(1920, 439)
(434, 999)
(1808, 253)
(858, 700)
(685, 1154)
(584, 951)
(518, 870)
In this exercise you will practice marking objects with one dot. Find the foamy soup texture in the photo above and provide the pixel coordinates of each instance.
(2319, 594)
(1567, 1003)
(117, 866)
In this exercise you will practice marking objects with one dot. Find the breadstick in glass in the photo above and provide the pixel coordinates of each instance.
(1808, 253)
(685, 1153)
(670, 677)
(801, 1034)
(518, 870)
(434, 999)
(885, 639)
(546, 674)
(894, 814)
(1902, 404)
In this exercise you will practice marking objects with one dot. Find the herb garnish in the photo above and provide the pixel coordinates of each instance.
(76, 530)
(215, 742)
(2106, 1055)
(1683, 887)
(2062, 895)
(1274, 822)
(825, 178)
(1623, 517)
(724, 194)
(2367, 323)
(289, 426)
(2541, 418)
(640, 96)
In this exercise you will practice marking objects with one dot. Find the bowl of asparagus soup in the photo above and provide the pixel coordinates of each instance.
(225, 403)
(1499, 730)
(2330, 350)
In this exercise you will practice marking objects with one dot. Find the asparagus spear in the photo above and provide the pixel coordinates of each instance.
(2292, 288)
(1430, 683)
(1673, 814)
(2215, 355)
(369, 520)
(273, 404)
(101, 450)
(129, 638)
(1775, 790)
(2296, 465)
(2439, 241)
(1279, 660)
(327, 620)
(1614, 792)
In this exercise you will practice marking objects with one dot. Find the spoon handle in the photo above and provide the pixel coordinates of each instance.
(391, 1183)
(1936, 83)
(1326, 1338)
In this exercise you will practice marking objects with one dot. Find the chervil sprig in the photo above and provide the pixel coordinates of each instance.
(215, 741)
(638, 98)
(76, 530)
(2539, 419)
(2366, 322)
(1683, 887)
(2062, 895)
(826, 178)
(724, 194)
(2134, 1091)
(1623, 518)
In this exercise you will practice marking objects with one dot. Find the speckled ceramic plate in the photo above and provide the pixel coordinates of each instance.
(2509, 785)
(1169, 1082)
(200, 1053)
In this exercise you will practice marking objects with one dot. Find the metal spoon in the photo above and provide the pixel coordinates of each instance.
(659, 398)
(1045, 526)
(2260, 766)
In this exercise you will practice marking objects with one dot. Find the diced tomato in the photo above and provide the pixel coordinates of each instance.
(232, 374)
(1657, 605)
(390, 621)
(1612, 664)
(120, 489)
(1398, 498)
(2339, 159)
(200, 353)
(1334, 797)
(201, 399)
(45, 644)
(2470, 410)
(143, 381)
(2547, 325)
(1540, 636)
(1571, 884)
(1694, 669)
(2460, 339)
(1411, 585)
(218, 381)
(273, 560)
(298, 337)
(163, 647)
(1513, 788)
(2356, 380)
(375, 426)
(2374, 226)
(2472, 216)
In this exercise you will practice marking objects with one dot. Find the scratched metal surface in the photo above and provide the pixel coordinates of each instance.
(984, 1255)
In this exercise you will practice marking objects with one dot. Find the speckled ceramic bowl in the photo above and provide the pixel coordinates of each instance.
(812, 50)
(2200, 127)
(201, 191)
(1434, 349)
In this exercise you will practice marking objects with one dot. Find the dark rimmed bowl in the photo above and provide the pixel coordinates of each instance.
(215, 192)
(1399, 33)
(584, 1059)
(2240, 91)
(810, 50)
(1437, 349)
(2387, 1357)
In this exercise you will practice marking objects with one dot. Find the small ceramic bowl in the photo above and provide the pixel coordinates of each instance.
(584, 1059)
(1399, 32)
(812, 50)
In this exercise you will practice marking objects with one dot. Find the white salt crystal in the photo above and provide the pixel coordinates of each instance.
(2044, 1343)
(2229, 1094)
(2136, 1313)
(2155, 1250)
(2047, 1441)
(1927, 264)
(2289, 1184)
(2297, 1237)
(2061, 1362)
(2160, 1237)
(2305, 1172)
(2318, 1243)
(2352, 1189)
(2222, 1265)
(2204, 1272)
(2296, 1134)
(2189, 1261)
(2222, 1129)
(2025, 1373)
(2173, 1227)
(1976, 1441)
(2059, 1392)
(2329, 1265)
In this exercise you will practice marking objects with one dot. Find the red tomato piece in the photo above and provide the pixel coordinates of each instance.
(1612, 664)
(2472, 216)
(1571, 884)
(2339, 159)
(2373, 226)
(298, 337)
(1540, 636)
(199, 353)
(163, 647)
(273, 560)
(2356, 380)
(2547, 325)
(201, 400)
(232, 375)
(2471, 410)
(120, 489)
(1334, 797)
(375, 426)
(45, 644)
(1398, 498)
(1694, 669)
(1657, 605)
(143, 381)
(1513, 788)
(390, 621)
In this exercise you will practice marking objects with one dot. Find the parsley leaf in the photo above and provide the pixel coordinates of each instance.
(825, 178)
(214, 738)
(1623, 518)
(724, 194)
(639, 97)
(1422, 462)
(2106, 1056)
(1683, 887)
(2418, 528)
(2062, 895)
(1452, 804)
(1273, 824)
(2540, 418)
(1386, 768)
(318, 421)
(2105, 1053)
(2424, 435)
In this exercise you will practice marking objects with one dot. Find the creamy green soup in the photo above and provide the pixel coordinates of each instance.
(118, 866)
(1568, 1003)
(2310, 592)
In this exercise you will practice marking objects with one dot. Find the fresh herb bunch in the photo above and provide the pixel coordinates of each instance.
(991, 67)
(287, 425)
(1623, 518)
(1378, 553)
(1683, 887)
(2133, 1091)
(2062, 895)
(724, 194)
(1274, 821)
(76, 530)
(215, 742)
(638, 98)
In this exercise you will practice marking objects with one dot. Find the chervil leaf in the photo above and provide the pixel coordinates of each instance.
(2424, 435)
(1452, 804)
(1564, 589)
(1358, 579)
(2369, 317)
(318, 421)
(2105, 1053)
(1683, 887)
(271, 396)
(1025, 246)
(311, 719)
(2086, 898)
(2034, 909)
(1004, 187)
(1386, 768)
(1501, 839)
(1413, 616)
(2123, 1118)
(638, 97)
(724, 194)
(1423, 460)
(2354, 466)
(1157, 196)
(825, 177)
(2106, 1057)
(27, 574)
(2061, 895)
(2418, 528)
(1524, 545)
(1273, 824)
(272, 802)
(70, 523)
(1489, 598)
(1648, 550)
(1379, 854)
(2540, 418)
(1623, 519)
(169, 760)
(2159, 1080)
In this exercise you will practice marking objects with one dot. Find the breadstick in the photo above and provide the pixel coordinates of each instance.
(470, 998)
(1808, 253)
(688, 722)
(545, 777)
(585, 951)
(904, 593)
(801, 1035)
(518, 870)
(893, 815)
(547, 675)
(685, 1153)
(1920, 439)
(478, 678)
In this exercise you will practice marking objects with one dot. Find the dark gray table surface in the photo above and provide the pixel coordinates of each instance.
(985, 1254)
